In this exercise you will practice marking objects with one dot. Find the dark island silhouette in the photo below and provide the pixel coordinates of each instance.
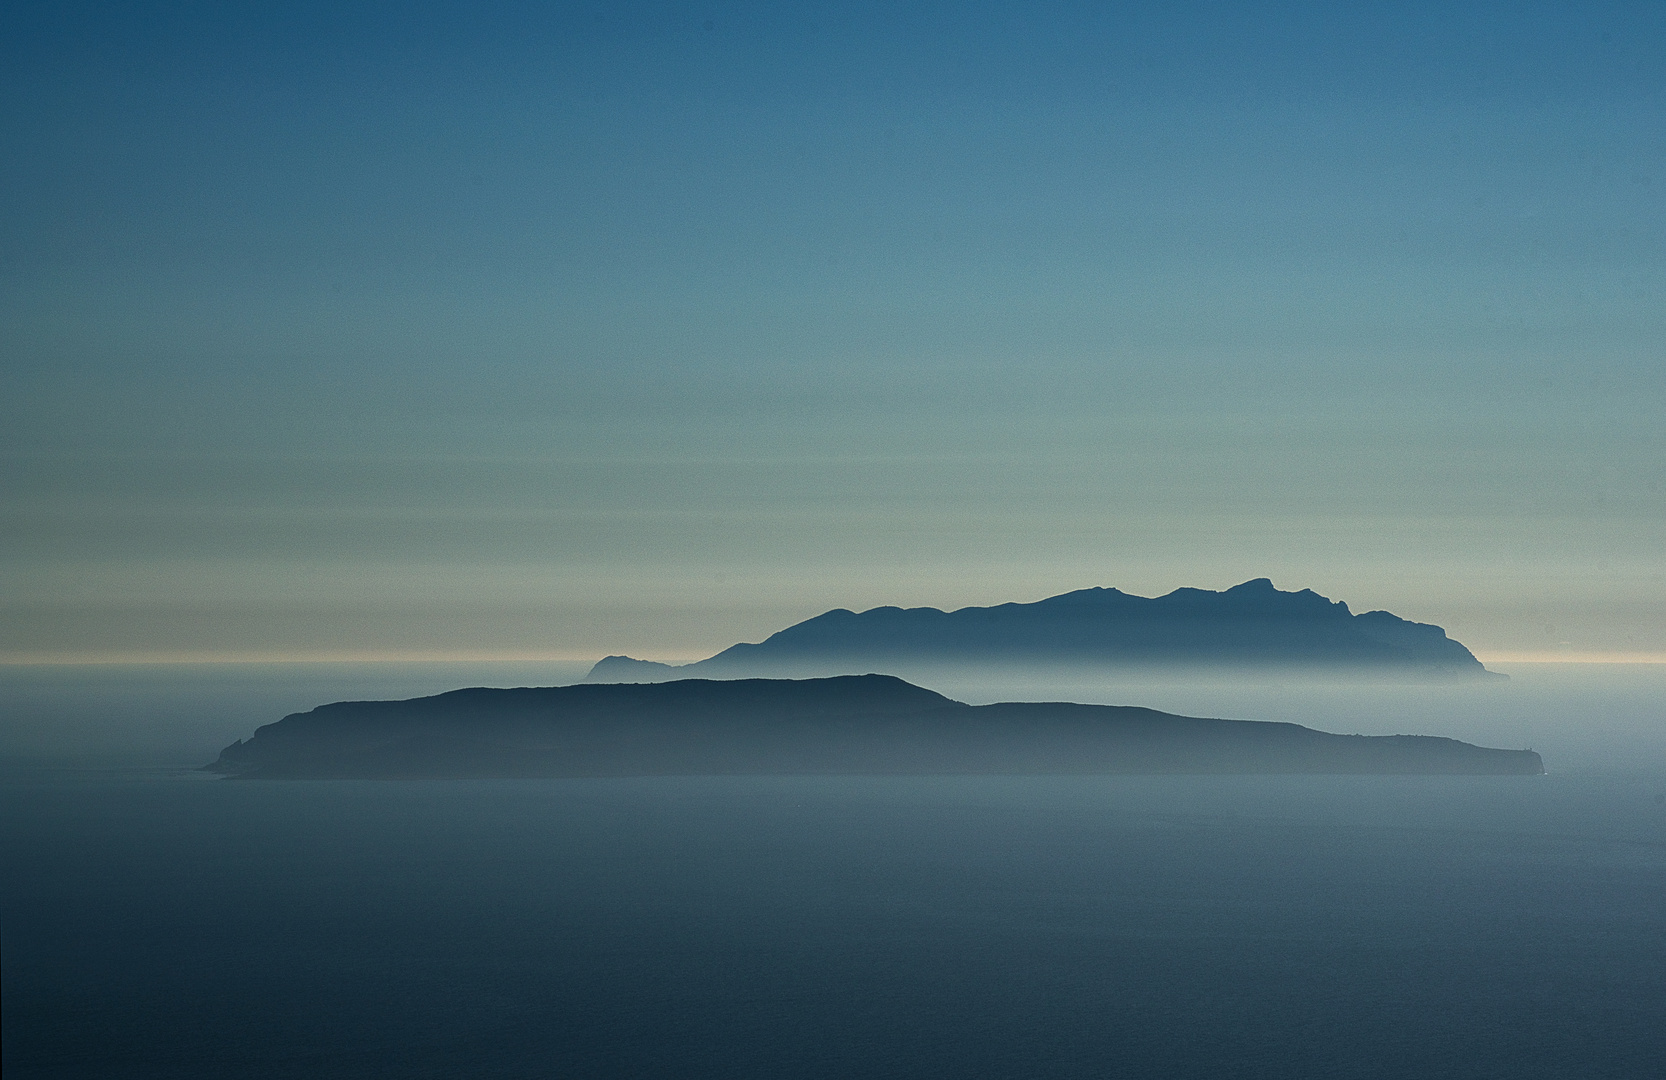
(850, 725)
(1253, 626)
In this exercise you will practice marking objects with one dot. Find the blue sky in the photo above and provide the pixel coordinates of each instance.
(561, 330)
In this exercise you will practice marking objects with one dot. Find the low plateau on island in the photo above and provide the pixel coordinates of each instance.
(851, 725)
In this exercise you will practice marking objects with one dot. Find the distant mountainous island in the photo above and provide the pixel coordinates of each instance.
(1252, 625)
(866, 724)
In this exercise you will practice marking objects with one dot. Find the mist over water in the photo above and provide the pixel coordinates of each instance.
(1579, 716)
(181, 715)
(158, 922)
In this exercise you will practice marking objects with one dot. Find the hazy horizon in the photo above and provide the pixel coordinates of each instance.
(1562, 653)
(1584, 717)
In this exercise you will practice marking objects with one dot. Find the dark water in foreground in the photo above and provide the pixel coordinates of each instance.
(160, 923)
(163, 924)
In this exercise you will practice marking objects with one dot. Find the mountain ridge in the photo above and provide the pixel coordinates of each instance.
(1253, 624)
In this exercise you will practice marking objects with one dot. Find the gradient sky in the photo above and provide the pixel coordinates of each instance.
(560, 330)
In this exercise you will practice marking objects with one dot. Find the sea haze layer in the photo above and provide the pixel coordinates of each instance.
(852, 725)
(1251, 627)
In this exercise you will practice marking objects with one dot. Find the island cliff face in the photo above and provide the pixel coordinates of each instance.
(1252, 625)
(870, 724)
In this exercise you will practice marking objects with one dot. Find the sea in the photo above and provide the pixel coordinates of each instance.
(158, 921)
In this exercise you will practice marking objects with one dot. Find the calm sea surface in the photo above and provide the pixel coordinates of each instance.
(161, 923)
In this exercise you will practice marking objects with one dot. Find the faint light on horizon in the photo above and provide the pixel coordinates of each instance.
(510, 656)
(322, 656)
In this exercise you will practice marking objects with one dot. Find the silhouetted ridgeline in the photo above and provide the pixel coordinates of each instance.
(867, 724)
(1250, 625)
